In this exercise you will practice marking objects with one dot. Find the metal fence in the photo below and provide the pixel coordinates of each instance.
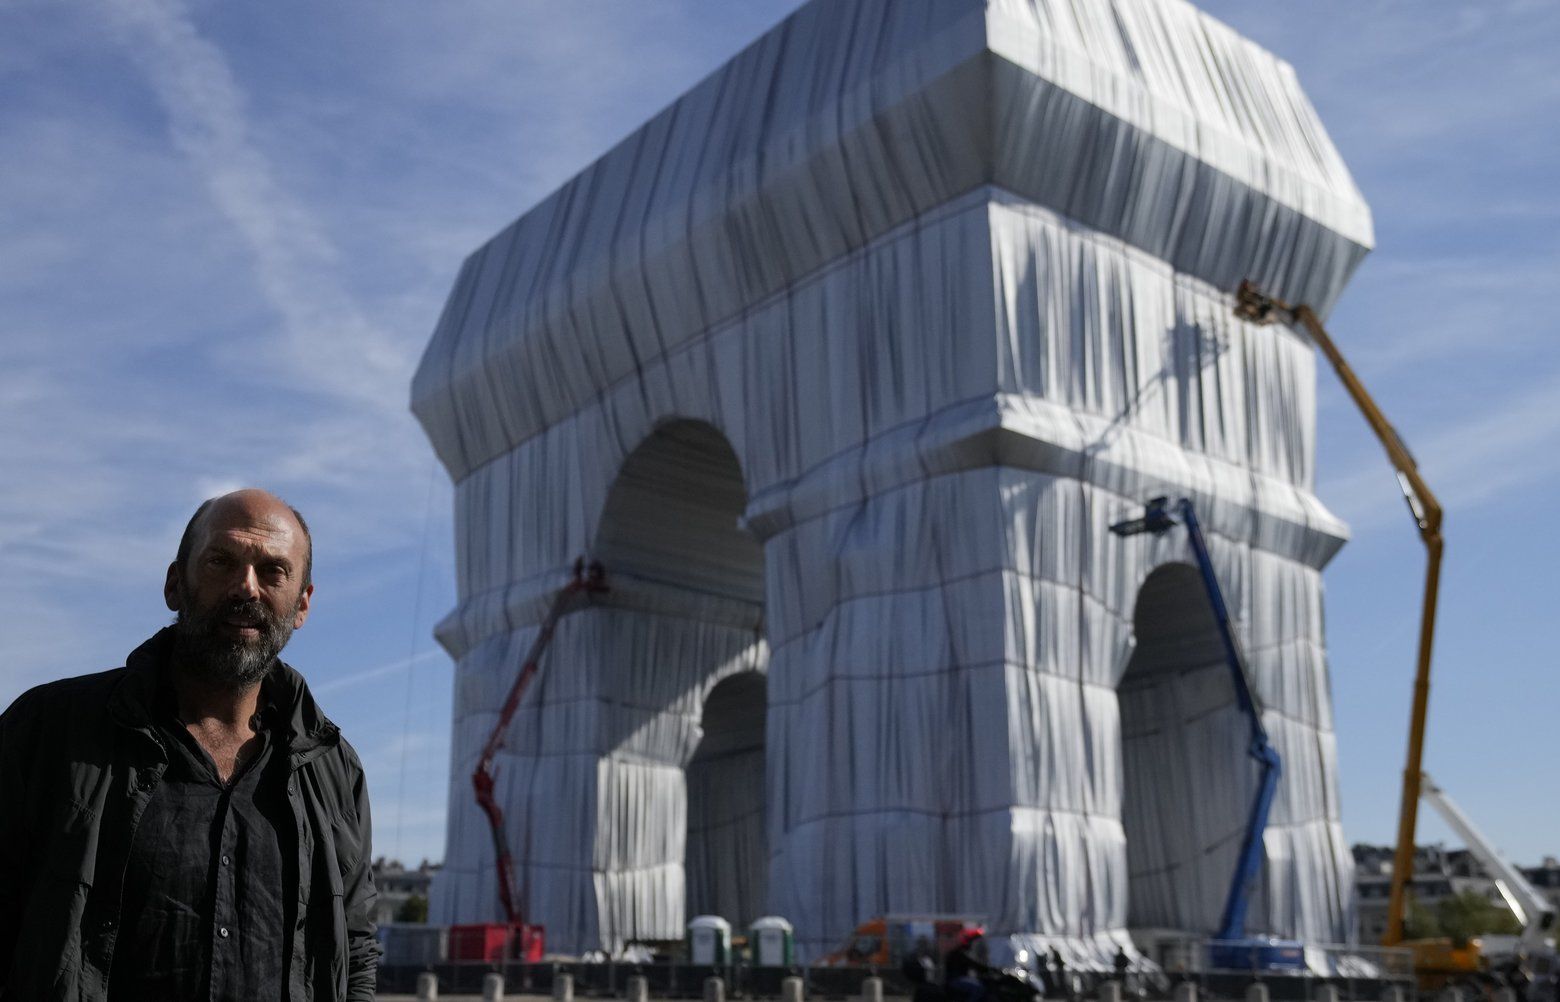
(1223, 970)
(1360, 974)
(669, 979)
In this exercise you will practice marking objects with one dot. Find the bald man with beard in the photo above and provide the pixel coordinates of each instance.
(191, 826)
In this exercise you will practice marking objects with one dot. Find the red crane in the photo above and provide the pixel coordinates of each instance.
(585, 582)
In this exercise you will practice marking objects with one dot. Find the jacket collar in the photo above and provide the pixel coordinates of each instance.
(305, 728)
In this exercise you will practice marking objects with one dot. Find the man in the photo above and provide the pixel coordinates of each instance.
(964, 965)
(1059, 978)
(920, 968)
(191, 826)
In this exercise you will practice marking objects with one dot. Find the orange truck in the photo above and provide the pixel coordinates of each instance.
(884, 942)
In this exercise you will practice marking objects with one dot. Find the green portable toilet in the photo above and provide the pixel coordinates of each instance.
(770, 940)
(709, 940)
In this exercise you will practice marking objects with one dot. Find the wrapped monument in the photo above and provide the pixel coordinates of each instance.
(842, 365)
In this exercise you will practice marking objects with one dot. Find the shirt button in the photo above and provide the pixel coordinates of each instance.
(222, 931)
(226, 859)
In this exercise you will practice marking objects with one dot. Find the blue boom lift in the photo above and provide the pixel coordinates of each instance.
(1231, 948)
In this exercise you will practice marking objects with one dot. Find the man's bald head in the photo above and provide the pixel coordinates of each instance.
(257, 504)
(240, 585)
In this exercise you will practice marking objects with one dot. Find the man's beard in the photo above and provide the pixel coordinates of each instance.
(234, 663)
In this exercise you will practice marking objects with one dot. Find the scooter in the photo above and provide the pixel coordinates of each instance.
(1000, 984)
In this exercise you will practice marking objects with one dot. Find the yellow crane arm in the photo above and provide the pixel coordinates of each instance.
(1252, 305)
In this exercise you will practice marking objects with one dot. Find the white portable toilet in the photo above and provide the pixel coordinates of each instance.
(771, 939)
(709, 940)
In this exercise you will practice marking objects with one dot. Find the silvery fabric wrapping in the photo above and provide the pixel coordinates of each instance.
(843, 364)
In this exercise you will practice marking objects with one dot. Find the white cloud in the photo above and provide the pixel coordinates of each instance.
(175, 326)
(332, 343)
(1411, 323)
(407, 777)
(358, 677)
(1487, 455)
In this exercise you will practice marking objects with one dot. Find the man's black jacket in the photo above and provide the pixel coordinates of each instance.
(79, 760)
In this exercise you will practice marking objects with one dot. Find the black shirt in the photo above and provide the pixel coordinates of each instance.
(204, 914)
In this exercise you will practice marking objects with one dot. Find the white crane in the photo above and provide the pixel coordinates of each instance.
(1531, 908)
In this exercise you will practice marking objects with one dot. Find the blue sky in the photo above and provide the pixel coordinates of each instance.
(228, 230)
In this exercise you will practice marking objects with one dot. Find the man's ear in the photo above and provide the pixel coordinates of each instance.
(171, 587)
(303, 606)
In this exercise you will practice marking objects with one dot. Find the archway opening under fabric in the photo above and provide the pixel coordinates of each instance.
(1187, 779)
(690, 575)
(727, 858)
(673, 516)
